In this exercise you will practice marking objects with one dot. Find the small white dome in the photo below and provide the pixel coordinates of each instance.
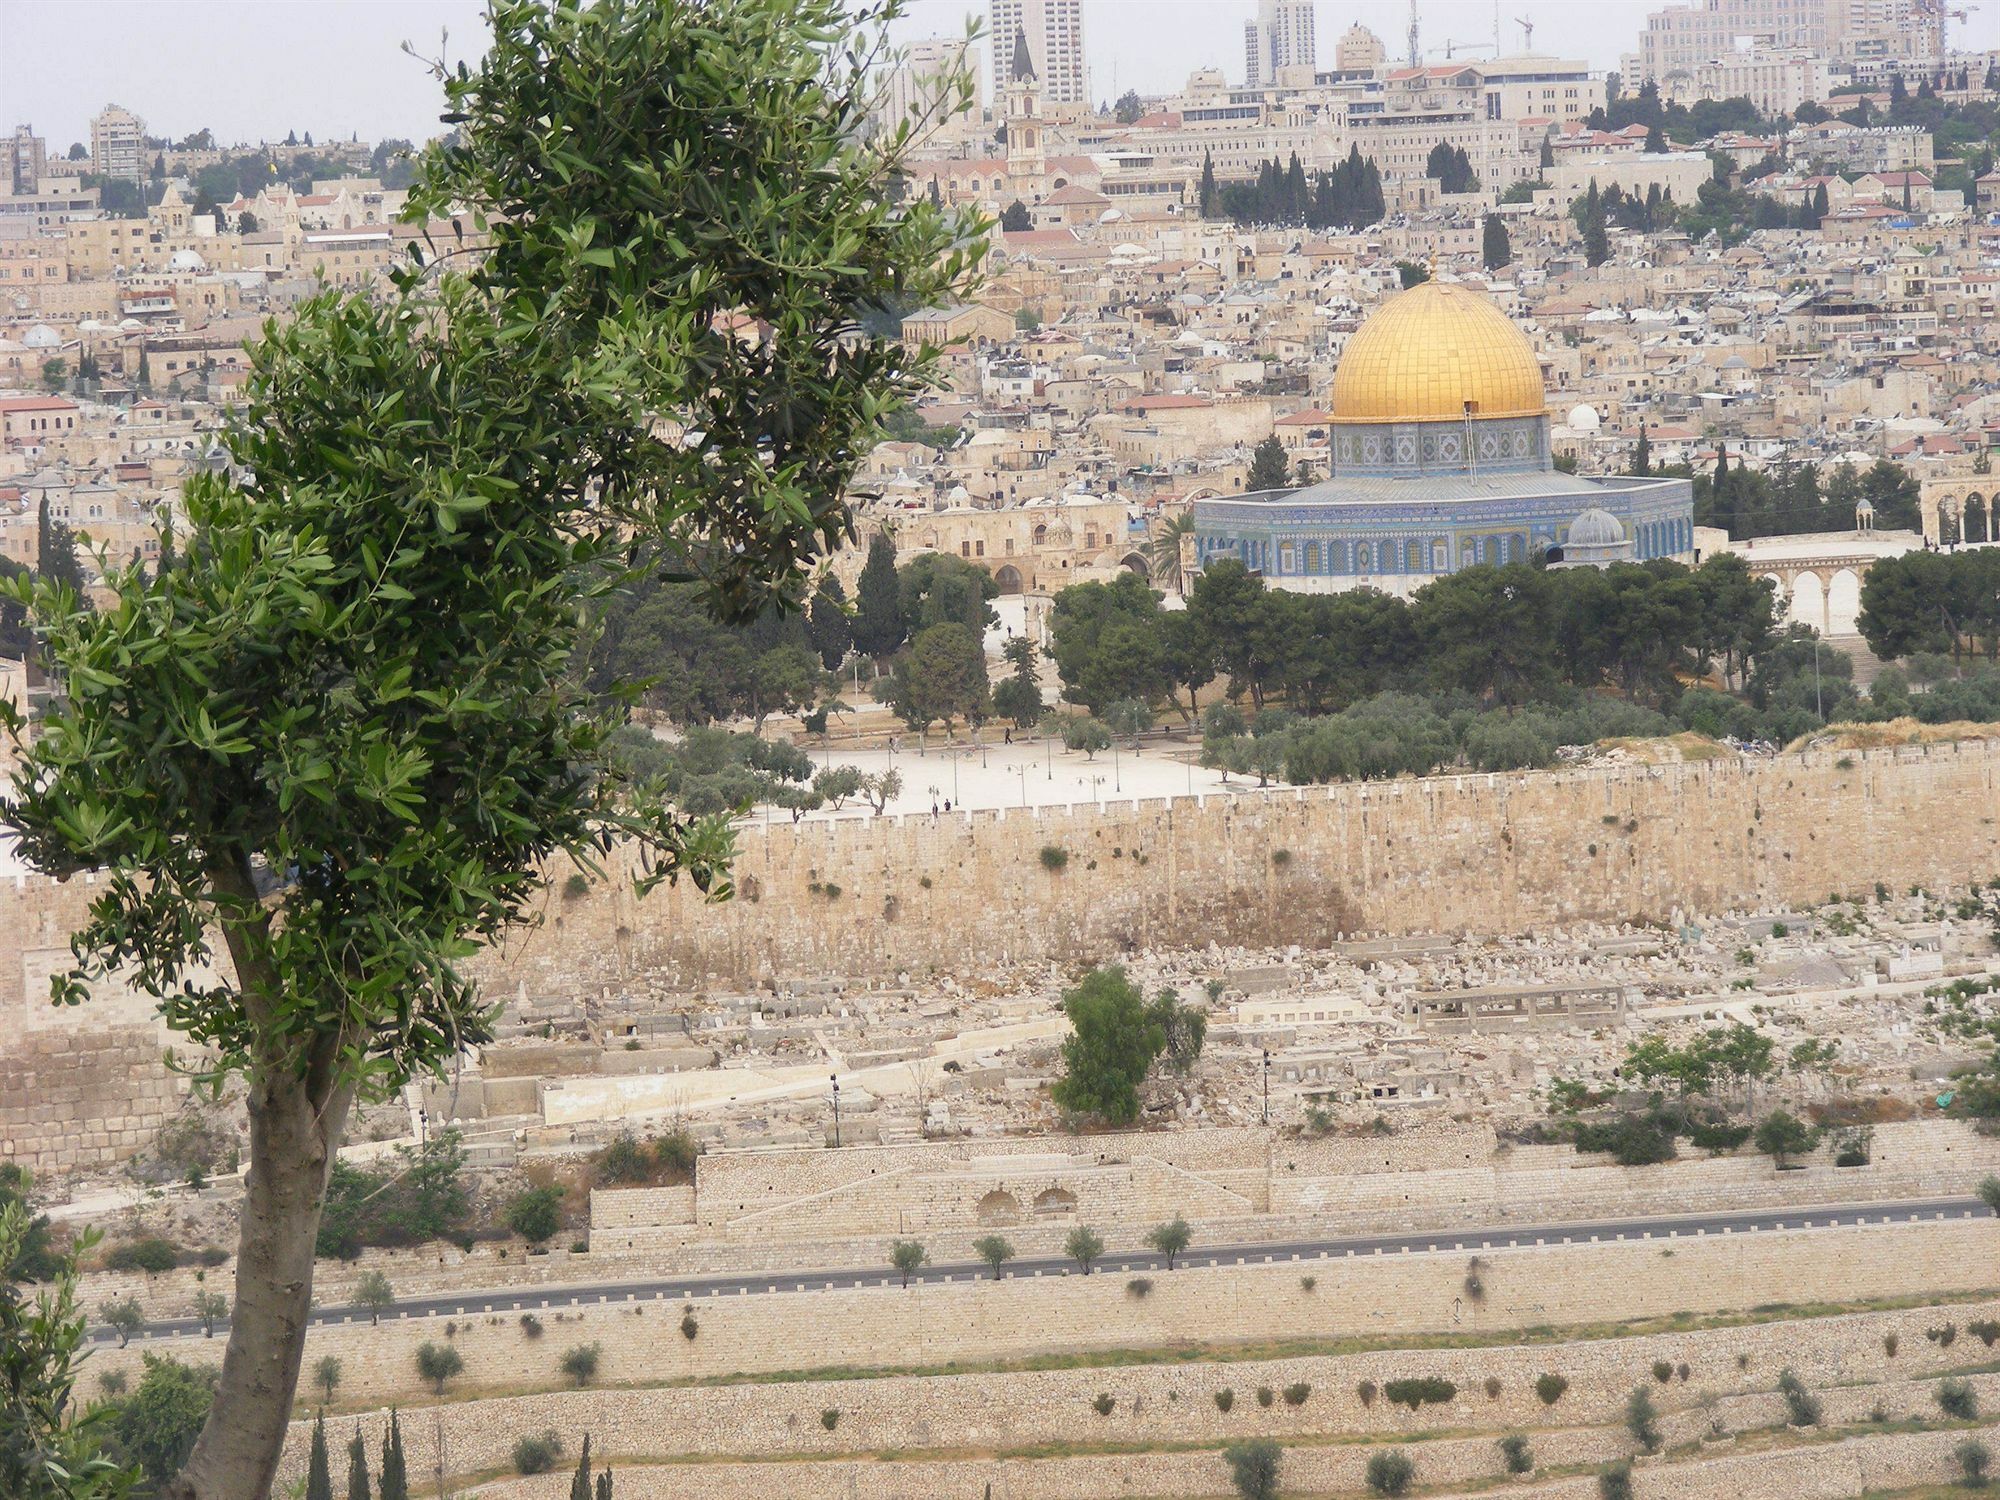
(1584, 418)
(41, 336)
(1594, 528)
(186, 260)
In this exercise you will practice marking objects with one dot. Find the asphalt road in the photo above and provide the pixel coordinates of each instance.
(1200, 1257)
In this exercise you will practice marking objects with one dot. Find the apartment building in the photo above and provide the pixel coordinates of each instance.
(1281, 36)
(118, 144)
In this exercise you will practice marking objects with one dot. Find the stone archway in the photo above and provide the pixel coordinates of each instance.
(1132, 562)
(1976, 523)
(1008, 578)
(1808, 600)
(1843, 602)
(1055, 1200)
(999, 1207)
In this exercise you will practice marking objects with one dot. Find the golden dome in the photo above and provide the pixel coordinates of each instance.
(1434, 353)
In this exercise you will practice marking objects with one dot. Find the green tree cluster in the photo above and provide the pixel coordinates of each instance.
(1348, 197)
(1116, 1036)
(422, 1197)
(1946, 603)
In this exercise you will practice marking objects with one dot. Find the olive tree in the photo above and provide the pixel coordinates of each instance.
(342, 742)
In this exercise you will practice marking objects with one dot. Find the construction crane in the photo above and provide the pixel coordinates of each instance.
(1527, 33)
(1449, 47)
(1940, 12)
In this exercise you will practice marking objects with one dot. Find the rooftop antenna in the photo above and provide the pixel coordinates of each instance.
(1416, 51)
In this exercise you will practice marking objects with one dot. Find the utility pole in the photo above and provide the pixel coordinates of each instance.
(836, 1109)
(1267, 1085)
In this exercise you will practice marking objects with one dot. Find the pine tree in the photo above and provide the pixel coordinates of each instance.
(319, 1481)
(1268, 469)
(878, 603)
(357, 1468)
(579, 1485)
(395, 1483)
(1656, 140)
(1495, 247)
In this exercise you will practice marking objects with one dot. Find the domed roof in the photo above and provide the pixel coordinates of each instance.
(41, 336)
(186, 260)
(1584, 418)
(1437, 352)
(1595, 528)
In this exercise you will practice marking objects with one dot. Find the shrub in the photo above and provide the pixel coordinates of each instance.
(1681, 1370)
(1801, 1406)
(1389, 1472)
(1224, 1399)
(1516, 1454)
(1428, 1389)
(1493, 1387)
(689, 1327)
(151, 1255)
(536, 1453)
(1475, 1288)
(1366, 1391)
(1253, 1468)
(1974, 1459)
(1140, 1287)
(113, 1382)
(1265, 1395)
(1103, 1402)
(1307, 1283)
(1943, 1337)
(1985, 1330)
(625, 1160)
(535, 1215)
(830, 1418)
(126, 1317)
(1663, 1370)
(1889, 1344)
(531, 1326)
(580, 1363)
(438, 1363)
(1550, 1387)
(1055, 858)
(1615, 1482)
(1297, 1392)
(1956, 1398)
(1642, 1420)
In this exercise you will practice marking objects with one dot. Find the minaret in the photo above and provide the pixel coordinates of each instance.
(1027, 162)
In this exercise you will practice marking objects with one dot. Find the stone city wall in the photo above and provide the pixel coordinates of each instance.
(1874, 1464)
(977, 1319)
(1498, 853)
(1173, 1404)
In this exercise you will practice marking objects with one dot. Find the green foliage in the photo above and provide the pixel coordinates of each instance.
(1225, 1399)
(1642, 1420)
(1420, 1391)
(1802, 1408)
(438, 1363)
(580, 1363)
(326, 1374)
(1114, 1041)
(1054, 858)
(1297, 1393)
(908, 1257)
(155, 1427)
(422, 1198)
(941, 677)
(1254, 1466)
(209, 1309)
(1102, 1403)
(395, 1484)
(1974, 1460)
(1083, 1245)
(535, 1214)
(1781, 1135)
(1015, 218)
(50, 1449)
(1170, 1238)
(1614, 1481)
(1390, 1471)
(1087, 734)
(1956, 1399)
(1516, 1454)
(357, 1468)
(1989, 1192)
(879, 627)
(1349, 196)
(151, 1255)
(1933, 602)
(319, 1473)
(537, 1452)
(124, 1317)
(372, 1291)
(1549, 1387)
(830, 1418)
(995, 1249)
(1268, 467)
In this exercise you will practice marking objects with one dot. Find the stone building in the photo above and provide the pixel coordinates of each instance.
(1441, 460)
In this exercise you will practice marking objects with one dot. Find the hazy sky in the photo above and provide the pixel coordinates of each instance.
(252, 69)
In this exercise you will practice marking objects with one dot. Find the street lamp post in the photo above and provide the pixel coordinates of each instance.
(1267, 1085)
(836, 1109)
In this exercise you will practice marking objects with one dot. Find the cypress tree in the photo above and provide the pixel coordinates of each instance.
(1642, 456)
(1548, 152)
(604, 1485)
(357, 1467)
(878, 601)
(395, 1484)
(1207, 184)
(579, 1485)
(1496, 248)
(319, 1480)
(1819, 204)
